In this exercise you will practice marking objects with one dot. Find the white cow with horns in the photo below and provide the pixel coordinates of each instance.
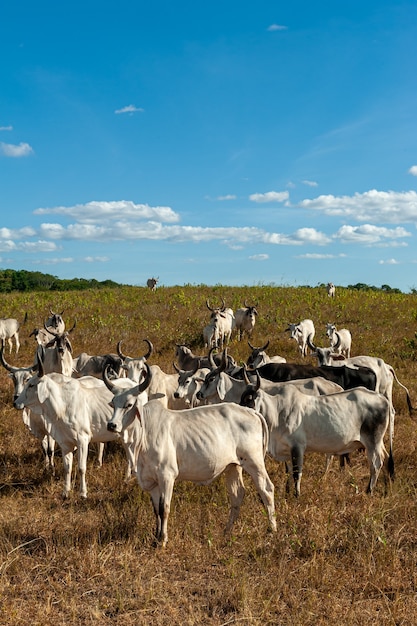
(198, 445)
(300, 332)
(76, 412)
(332, 424)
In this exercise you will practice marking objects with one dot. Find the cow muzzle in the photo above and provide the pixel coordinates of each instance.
(112, 427)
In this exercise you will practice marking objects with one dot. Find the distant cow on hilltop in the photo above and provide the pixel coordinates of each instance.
(151, 283)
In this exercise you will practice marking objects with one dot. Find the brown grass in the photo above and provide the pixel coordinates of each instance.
(339, 556)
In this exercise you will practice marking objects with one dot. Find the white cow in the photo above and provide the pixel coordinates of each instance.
(385, 373)
(56, 355)
(76, 412)
(332, 424)
(259, 357)
(198, 445)
(245, 319)
(9, 329)
(340, 340)
(189, 383)
(218, 386)
(300, 332)
(224, 320)
(134, 366)
(34, 421)
(94, 365)
(331, 290)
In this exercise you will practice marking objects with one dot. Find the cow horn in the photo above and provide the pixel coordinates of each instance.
(119, 351)
(73, 327)
(150, 350)
(106, 378)
(50, 330)
(245, 375)
(6, 366)
(337, 344)
(147, 380)
(223, 363)
(176, 368)
(208, 305)
(211, 357)
(264, 347)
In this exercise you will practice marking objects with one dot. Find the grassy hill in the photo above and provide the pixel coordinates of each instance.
(339, 556)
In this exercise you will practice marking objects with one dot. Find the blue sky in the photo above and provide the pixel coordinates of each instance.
(218, 143)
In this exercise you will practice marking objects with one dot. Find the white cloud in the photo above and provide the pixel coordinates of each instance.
(131, 108)
(96, 259)
(275, 27)
(259, 257)
(311, 236)
(376, 206)
(389, 262)
(269, 196)
(368, 234)
(93, 212)
(53, 261)
(15, 151)
(313, 255)
(413, 170)
(6, 128)
(310, 183)
(20, 233)
(229, 196)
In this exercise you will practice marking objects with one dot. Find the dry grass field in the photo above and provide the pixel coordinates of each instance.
(339, 556)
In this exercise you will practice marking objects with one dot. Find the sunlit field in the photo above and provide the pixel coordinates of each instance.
(340, 556)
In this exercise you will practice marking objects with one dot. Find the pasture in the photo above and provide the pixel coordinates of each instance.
(339, 556)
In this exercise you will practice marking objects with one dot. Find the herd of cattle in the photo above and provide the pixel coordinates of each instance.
(212, 416)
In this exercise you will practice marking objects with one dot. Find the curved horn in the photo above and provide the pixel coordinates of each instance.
(176, 368)
(208, 305)
(264, 347)
(51, 330)
(147, 380)
(223, 363)
(245, 375)
(223, 307)
(6, 366)
(211, 357)
(72, 328)
(119, 352)
(150, 350)
(258, 381)
(106, 378)
(310, 343)
(337, 344)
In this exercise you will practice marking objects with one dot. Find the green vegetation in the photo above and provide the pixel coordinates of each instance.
(22, 280)
(339, 556)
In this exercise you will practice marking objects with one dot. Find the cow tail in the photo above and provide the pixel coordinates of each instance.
(265, 432)
(391, 469)
(411, 409)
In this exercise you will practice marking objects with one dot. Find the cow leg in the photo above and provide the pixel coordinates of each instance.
(67, 457)
(100, 453)
(297, 468)
(82, 465)
(48, 447)
(16, 338)
(236, 492)
(161, 499)
(265, 488)
(375, 455)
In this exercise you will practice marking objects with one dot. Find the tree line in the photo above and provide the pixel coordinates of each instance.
(22, 280)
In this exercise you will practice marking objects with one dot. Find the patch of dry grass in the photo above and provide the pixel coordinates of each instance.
(339, 556)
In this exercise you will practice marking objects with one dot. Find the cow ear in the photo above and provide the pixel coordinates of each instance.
(221, 387)
(42, 391)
